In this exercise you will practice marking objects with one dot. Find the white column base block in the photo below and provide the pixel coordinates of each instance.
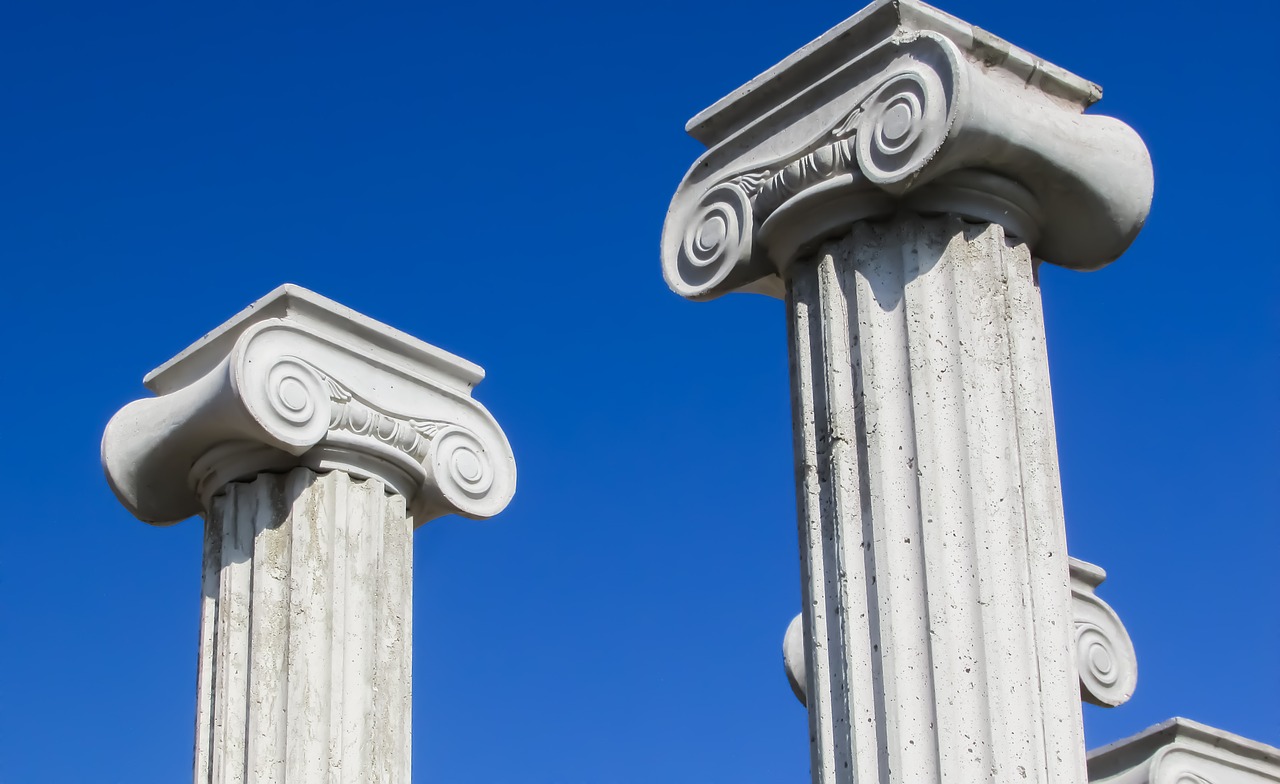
(305, 668)
(937, 597)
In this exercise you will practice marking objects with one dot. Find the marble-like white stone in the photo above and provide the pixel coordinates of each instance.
(305, 632)
(298, 380)
(938, 610)
(901, 107)
(894, 180)
(313, 440)
(1180, 751)
(1105, 658)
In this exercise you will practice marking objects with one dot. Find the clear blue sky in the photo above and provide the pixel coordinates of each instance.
(492, 177)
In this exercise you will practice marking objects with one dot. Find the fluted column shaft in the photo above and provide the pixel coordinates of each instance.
(305, 642)
(312, 440)
(937, 601)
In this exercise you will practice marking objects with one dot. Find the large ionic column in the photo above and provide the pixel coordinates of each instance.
(932, 531)
(313, 440)
(897, 181)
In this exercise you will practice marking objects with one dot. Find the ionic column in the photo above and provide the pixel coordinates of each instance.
(313, 440)
(897, 181)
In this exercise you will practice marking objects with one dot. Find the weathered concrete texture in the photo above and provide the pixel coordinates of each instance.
(305, 669)
(937, 599)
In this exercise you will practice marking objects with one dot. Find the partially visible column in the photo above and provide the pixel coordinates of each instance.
(1105, 658)
(1180, 751)
(313, 440)
(897, 182)
(1104, 651)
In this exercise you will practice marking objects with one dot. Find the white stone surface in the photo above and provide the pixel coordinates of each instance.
(901, 107)
(313, 440)
(1105, 658)
(1180, 751)
(305, 632)
(894, 180)
(934, 552)
(299, 380)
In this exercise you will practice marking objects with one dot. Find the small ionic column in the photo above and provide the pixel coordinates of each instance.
(313, 440)
(897, 182)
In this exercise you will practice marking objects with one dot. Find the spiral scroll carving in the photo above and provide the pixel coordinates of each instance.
(716, 239)
(1105, 658)
(875, 146)
(899, 129)
(1097, 659)
(462, 466)
(886, 137)
(305, 405)
(271, 395)
(297, 400)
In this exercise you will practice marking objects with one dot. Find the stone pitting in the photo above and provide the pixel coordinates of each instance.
(1105, 658)
(898, 180)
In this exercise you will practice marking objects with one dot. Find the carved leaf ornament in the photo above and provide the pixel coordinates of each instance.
(879, 142)
(457, 453)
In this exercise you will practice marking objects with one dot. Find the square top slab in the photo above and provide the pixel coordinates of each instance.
(321, 314)
(878, 22)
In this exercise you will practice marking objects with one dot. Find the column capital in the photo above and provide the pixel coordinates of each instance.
(295, 380)
(1181, 751)
(901, 107)
(1105, 657)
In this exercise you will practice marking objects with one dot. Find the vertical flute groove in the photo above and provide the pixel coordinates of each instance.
(208, 656)
(828, 739)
